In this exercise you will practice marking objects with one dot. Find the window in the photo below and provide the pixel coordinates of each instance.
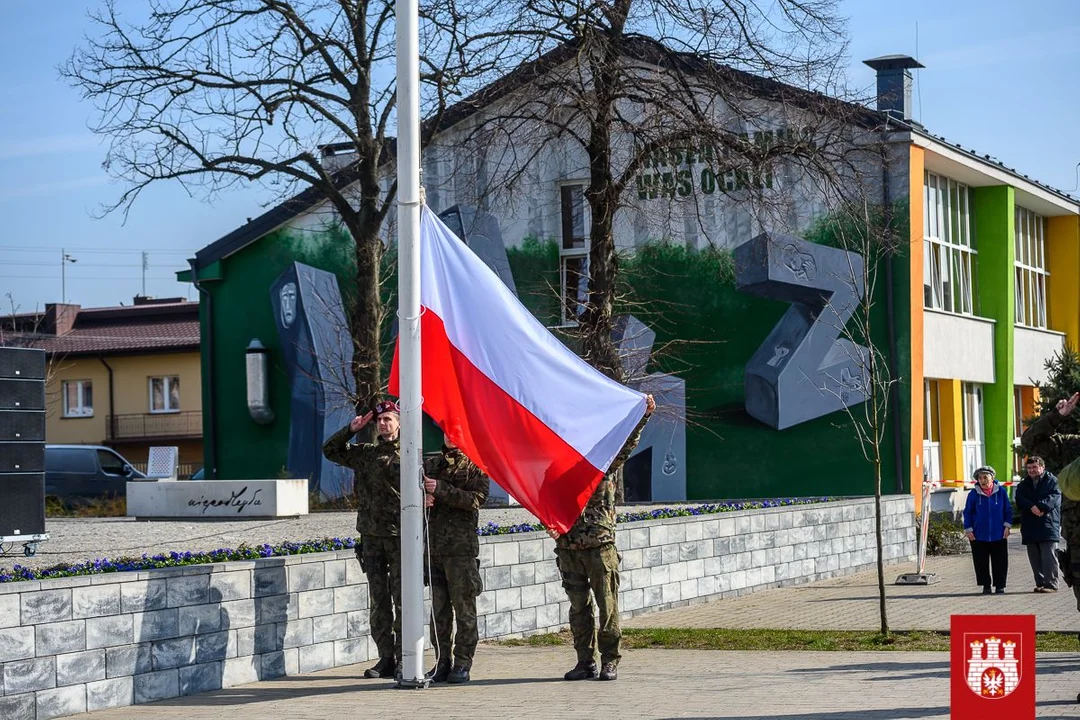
(572, 202)
(111, 463)
(948, 247)
(932, 431)
(1030, 269)
(974, 433)
(573, 252)
(165, 394)
(78, 398)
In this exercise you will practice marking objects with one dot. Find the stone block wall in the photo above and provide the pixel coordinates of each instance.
(75, 645)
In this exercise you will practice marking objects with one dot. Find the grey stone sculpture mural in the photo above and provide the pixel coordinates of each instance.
(803, 370)
(657, 469)
(317, 352)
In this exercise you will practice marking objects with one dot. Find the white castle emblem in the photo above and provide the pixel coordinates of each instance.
(993, 668)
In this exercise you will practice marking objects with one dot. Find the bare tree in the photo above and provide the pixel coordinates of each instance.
(218, 93)
(869, 231)
(621, 85)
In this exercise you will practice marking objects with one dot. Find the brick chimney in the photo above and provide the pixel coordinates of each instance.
(894, 84)
(60, 318)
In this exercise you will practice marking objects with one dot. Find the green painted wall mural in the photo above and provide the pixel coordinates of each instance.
(706, 331)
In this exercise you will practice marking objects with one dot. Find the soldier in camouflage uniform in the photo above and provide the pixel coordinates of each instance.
(378, 513)
(455, 489)
(1062, 454)
(588, 561)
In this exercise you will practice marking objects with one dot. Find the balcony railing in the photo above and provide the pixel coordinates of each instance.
(154, 425)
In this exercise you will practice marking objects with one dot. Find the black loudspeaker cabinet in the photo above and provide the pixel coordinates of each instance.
(22, 511)
(22, 443)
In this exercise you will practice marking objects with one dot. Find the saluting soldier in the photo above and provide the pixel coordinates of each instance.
(378, 513)
(455, 489)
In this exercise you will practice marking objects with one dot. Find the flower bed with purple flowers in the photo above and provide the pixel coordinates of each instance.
(255, 552)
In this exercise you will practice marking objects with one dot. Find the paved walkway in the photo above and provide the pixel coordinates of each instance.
(526, 681)
(523, 682)
(850, 603)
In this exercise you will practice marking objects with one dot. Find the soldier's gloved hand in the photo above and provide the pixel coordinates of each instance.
(429, 484)
(553, 533)
(429, 500)
(1065, 407)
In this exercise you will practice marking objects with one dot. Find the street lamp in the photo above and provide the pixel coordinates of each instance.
(64, 260)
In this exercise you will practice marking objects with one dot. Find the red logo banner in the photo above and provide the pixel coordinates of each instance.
(992, 669)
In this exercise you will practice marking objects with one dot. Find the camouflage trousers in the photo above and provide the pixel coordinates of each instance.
(380, 559)
(455, 584)
(588, 575)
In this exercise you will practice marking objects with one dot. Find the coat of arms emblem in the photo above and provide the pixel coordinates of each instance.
(992, 666)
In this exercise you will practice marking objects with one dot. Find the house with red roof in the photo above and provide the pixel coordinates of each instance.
(127, 377)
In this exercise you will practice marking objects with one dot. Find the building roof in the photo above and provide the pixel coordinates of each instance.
(637, 48)
(148, 326)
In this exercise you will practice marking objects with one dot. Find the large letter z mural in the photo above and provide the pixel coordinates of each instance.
(803, 370)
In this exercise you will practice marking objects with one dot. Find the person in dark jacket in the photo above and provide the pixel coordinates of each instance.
(987, 522)
(1039, 500)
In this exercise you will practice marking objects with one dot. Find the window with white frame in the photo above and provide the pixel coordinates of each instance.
(974, 431)
(1030, 268)
(78, 398)
(932, 431)
(165, 394)
(573, 252)
(948, 247)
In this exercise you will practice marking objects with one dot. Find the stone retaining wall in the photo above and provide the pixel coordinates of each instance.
(74, 645)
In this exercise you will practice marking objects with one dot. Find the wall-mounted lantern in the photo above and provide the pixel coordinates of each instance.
(258, 384)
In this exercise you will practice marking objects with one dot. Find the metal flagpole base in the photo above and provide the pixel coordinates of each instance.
(917, 579)
(422, 684)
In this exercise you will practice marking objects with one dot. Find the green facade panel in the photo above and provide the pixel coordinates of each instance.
(994, 237)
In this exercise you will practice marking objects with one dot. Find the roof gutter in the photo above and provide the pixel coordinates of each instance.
(112, 415)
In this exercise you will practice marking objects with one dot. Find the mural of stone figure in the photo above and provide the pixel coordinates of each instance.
(657, 469)
(803, 370)
(317, 354)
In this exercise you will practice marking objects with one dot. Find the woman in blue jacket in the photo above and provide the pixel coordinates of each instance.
(987, 521)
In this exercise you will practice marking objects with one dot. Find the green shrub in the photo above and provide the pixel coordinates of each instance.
(945, 535)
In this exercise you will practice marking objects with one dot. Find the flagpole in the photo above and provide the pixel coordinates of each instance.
(409, 200)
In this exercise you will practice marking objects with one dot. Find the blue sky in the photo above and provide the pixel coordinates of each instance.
(999, 77)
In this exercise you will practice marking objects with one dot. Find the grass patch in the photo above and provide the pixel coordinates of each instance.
(819, 640)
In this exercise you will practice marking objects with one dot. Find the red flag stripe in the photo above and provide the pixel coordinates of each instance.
(497, 432)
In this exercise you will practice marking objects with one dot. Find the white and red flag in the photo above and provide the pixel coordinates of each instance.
(529, 412)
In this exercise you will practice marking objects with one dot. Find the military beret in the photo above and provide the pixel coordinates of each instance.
(386, 406)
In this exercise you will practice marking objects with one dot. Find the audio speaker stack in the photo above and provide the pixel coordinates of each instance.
(22, 447)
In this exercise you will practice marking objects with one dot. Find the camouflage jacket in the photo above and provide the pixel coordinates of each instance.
(378, 480)
(460, 489)
(1042, 438)
(596, 526)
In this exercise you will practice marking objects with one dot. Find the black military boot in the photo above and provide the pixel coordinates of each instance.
(610, 671)
(383, 669)
(440, 672)
(459, 675)
(582, 671)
